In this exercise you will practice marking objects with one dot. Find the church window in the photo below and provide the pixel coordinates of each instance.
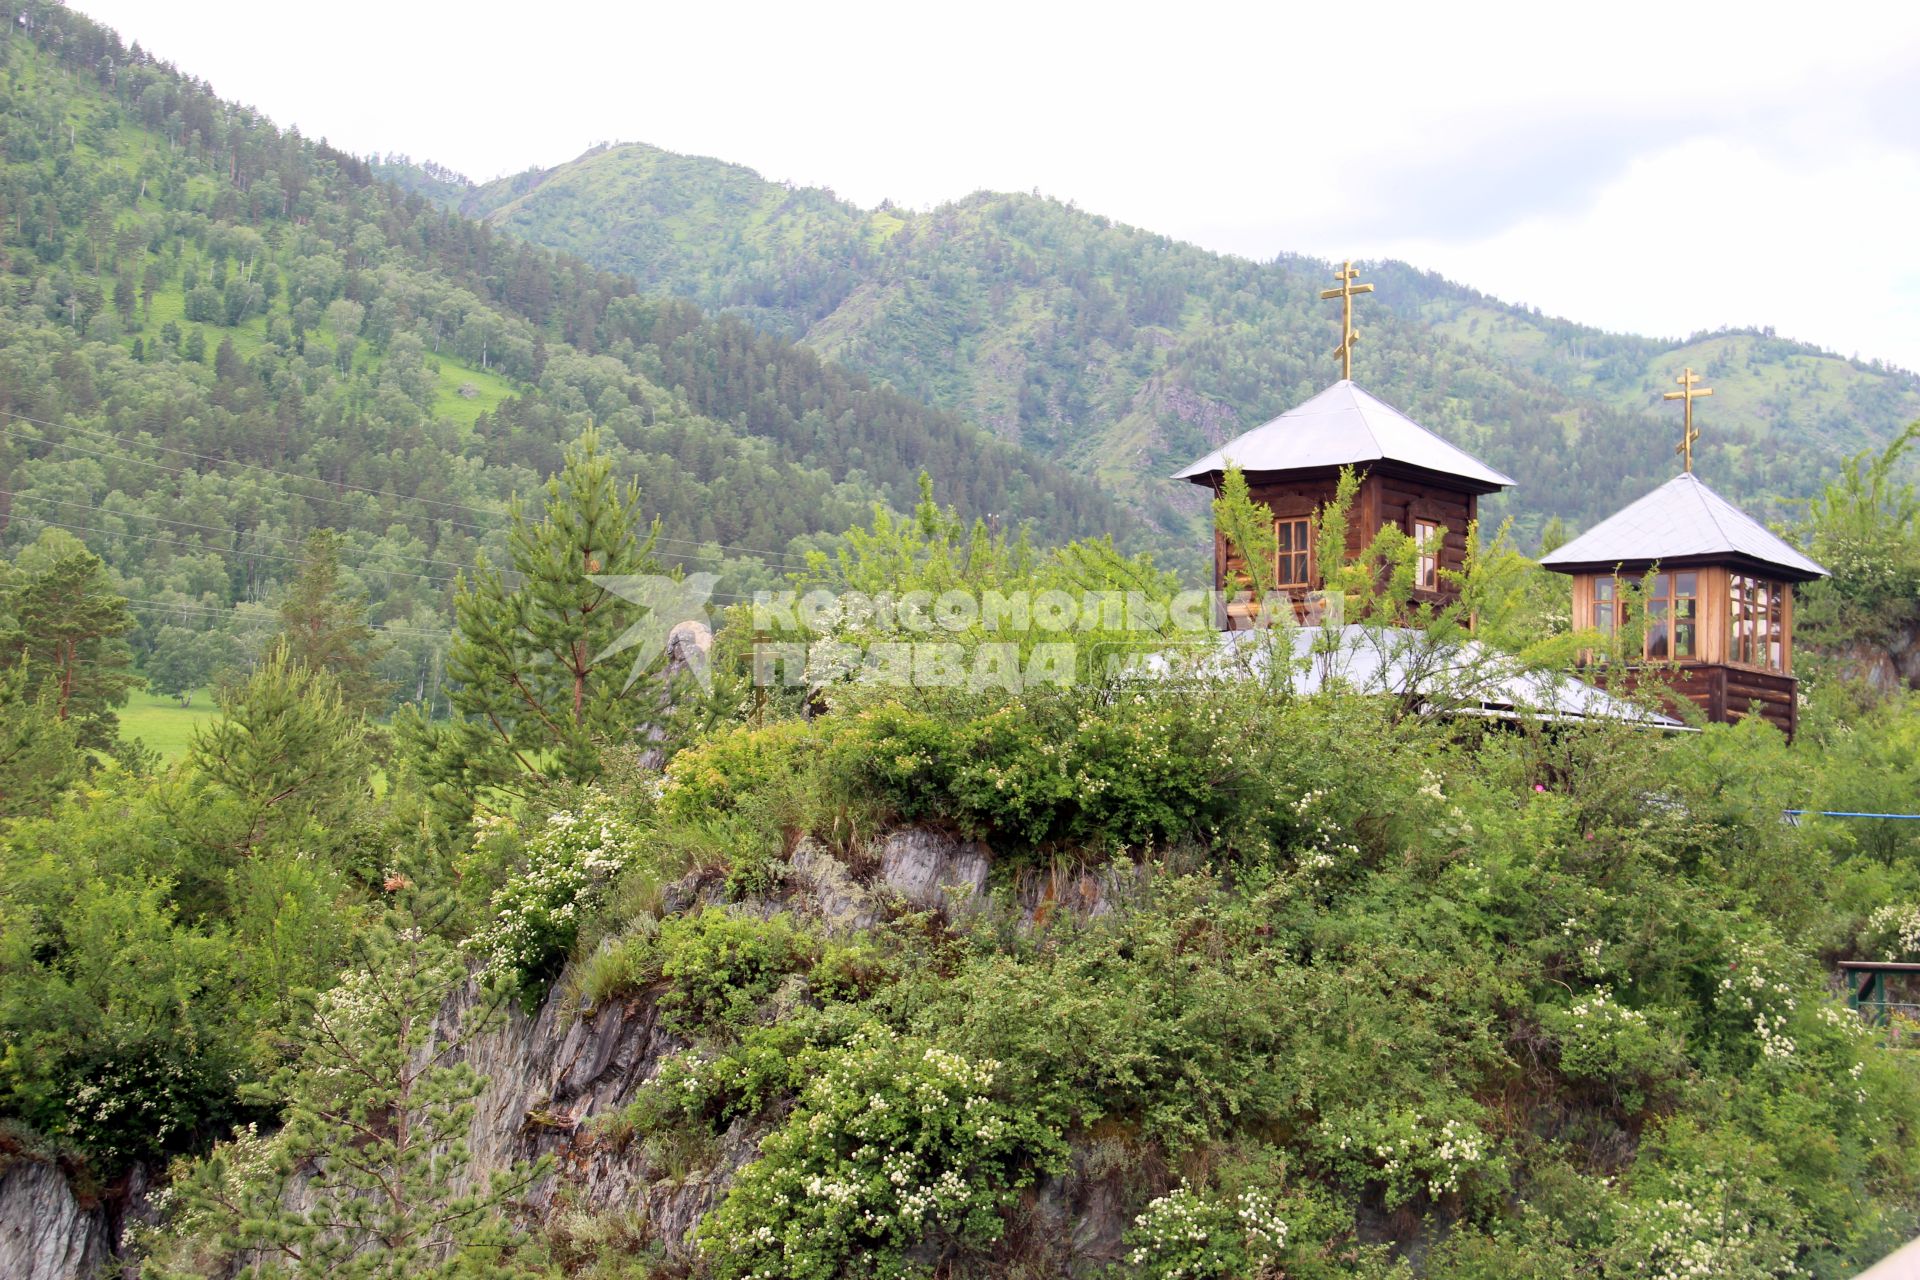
(1294, 563)
(1673, 616)
(1757, 622)
(1426, 540)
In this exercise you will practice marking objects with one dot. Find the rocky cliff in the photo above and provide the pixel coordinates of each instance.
(552, 1072)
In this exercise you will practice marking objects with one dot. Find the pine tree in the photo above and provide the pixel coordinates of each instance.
(326, 629)
(370, 1175)
(60, 615)
(38, 753)
(533, 685)
(286, 762)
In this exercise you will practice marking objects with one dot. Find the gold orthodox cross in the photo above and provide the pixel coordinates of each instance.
(1688, 391)
(1346, 275)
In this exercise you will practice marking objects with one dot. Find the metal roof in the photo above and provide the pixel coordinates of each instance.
(1454, 677)
(1682, 519)
(1341, 426)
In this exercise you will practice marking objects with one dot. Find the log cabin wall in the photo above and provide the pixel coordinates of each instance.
(1387, 495)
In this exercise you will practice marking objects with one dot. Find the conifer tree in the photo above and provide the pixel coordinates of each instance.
(60, 615)
(38, 752)
(286, 762)
(374, 1139)
(326, 629)
(536, 690)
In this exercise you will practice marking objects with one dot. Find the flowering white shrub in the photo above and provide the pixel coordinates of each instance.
(1894, 931)
(893, 1140)
(537, 912)
(1602, 1039)
(1411, 1153)
(1192, 1235)
(1754, 989)
(1323, 843)
(1699, 1227)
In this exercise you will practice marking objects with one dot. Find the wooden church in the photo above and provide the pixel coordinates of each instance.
(1412, 480)
(1718, 593)
(1717, 607)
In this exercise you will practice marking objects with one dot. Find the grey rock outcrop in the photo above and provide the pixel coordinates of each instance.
(46, 1232)
(934, 870)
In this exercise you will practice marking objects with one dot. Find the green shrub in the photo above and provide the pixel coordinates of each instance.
(1196, 1235)
(893, 1142)
(724, 965)
(537, 913)
(1444, 1154)
(1603, 1040)
(713, 778)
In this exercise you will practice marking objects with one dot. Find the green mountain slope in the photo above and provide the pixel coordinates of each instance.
(216, 336)
(1122, 354)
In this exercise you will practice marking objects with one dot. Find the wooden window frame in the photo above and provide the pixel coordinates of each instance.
(1428, 542)
(1664, 613)
(1757, 622)
(1608, 602)
(1297, 557)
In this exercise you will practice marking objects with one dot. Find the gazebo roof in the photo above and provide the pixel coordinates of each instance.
(1682, 520)
(1344, 426)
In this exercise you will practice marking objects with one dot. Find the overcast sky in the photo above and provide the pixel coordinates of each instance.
(1656, 168)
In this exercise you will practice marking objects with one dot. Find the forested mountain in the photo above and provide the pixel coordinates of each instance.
(1123, 354)
(217, 336)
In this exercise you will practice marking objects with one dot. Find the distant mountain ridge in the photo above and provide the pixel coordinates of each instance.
(1124, 353)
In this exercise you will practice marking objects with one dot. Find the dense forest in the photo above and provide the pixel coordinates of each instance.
(1124, 355)
(479, 925)
(217, 338)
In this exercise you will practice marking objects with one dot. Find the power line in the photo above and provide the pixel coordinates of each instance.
(216, 551)
(210, 528)
(124, 443)
(209, 611)
(188, 471)
(249, 466)
(788, 560)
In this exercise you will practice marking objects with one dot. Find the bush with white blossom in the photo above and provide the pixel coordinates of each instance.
(1604, 1040)
(893, 1142)
(1893, 932)
(1201, 1235)
(536, 914)
(1410, 1153)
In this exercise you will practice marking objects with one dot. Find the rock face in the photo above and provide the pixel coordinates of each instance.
(1885, 667)
(548, 1074)
(46, 1233)
(551, 1072)
(935, 871)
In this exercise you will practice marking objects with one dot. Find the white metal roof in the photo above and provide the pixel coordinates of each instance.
(1456, 677)
(1341, 426)
(1682, 518)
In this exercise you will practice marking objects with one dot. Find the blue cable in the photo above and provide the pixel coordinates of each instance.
(1835, 813)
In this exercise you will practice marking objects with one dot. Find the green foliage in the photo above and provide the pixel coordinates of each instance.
(535, 917)
(39, 752)
(724, 965)
(1051, 770)
(1190, 1235)
(375, 1134)
(1865, 528)
(893, 1140)
(324, 629)
(62, 622)
(286, 764)
(713, 778)
(533, 675)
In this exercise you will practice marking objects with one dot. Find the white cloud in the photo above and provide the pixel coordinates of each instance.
(1558, 154)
